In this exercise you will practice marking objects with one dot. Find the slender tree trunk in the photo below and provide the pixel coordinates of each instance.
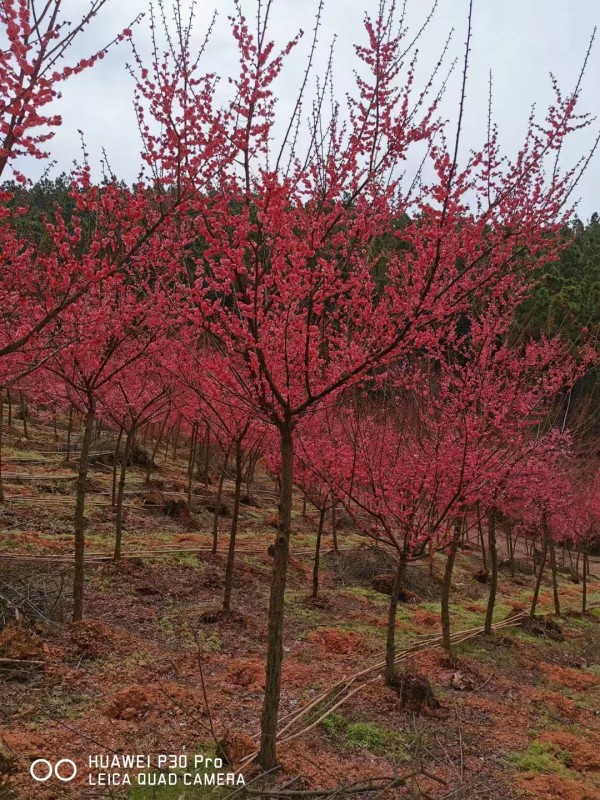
(24, 415)
(206, 457)
(121, 492)
(315, 579)
(113, 497)
(9, 400)
(167, 440)
(481, 537)
(304, 506)
(215, 528)
(161, 430)
(177, 430)
(79, 511)
(390, 643)
(233, 530)
(584, 584)
(334, 527)
(489, 615)
(270, 710)
(250, 474)
(1, 441)
(554, 571)
(69, 431)
(538, 581)
(191, 463)
(447, 586)
(511, 549)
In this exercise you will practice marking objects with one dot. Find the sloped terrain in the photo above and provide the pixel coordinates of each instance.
(517, 714)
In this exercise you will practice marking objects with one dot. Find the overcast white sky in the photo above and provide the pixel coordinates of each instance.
(521, 41)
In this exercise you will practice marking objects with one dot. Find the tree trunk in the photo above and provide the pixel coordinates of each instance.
(24, 415)
(113, 495)
(69, 431)
(511, 549)
(9, 400)
(270, 710)
(215, 529)
(207, 457)
(390, 643)
(554, 572)
(121, 492)
(1, 437)
(334, 527)
(481, 537)
(191, 463)
(447, 585)
(177, 429)
(315, 585)
(584, 586)
(493, 550)
(161, 430)
(79, 511)
(233, 530)
(538, 581)
(167, 440)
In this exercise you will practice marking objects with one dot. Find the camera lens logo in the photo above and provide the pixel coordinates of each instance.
(41, 770)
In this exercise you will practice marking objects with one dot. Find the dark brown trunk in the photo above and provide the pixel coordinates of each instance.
(447, 586)
(481, 537)
(167, 440)
(511, 550)
(206, 457)
(177, 429)
(24, 415)
(334, 527)
(161, 430)
(315, 579)
(390, 642)
(554, 571)
(9, 400)
(584, 584)
(69, 431)
(538, 581)
(121, 493)
(1, 442)
(270, 710)
(78, 583)
(191, 462)
(113, 496)
(493, 550)
(215, 528)
(233, 530)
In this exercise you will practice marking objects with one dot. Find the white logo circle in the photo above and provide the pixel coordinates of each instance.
(52, 769)
(33, 766)
(73, 767)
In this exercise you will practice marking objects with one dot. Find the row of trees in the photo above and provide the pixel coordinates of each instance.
(293, 295)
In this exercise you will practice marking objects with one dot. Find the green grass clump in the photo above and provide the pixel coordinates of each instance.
(543, 758)
(366, 736)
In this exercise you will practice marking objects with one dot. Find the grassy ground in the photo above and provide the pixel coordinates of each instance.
(518, 717)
